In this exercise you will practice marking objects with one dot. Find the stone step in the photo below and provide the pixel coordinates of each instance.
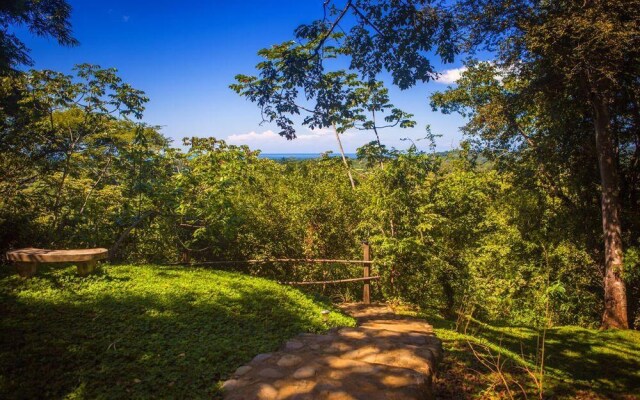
(390, 358)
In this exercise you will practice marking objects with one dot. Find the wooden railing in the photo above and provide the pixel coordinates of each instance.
(366, 269)
(366, 272)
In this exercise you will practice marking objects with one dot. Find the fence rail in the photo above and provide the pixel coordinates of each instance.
(279, 260)
(369, 278)
(365, 262)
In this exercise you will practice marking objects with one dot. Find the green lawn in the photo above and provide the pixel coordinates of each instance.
(141, 331)
(580, 363)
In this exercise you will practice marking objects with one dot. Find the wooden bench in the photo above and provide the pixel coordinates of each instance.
(27, 260)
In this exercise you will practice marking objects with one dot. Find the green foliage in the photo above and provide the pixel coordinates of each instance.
(574, 357)
(142, 331)
(508, 228)
(447, 233)
(562, 75)
(293, 75)
(238, 206)
(445, 230)
(46, 18)
(72, 161)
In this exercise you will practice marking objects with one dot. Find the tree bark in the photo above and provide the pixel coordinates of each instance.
(344, 158)
(615, 296)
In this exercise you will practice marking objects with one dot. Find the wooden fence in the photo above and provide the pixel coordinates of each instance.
(366, 273)
(365, 262)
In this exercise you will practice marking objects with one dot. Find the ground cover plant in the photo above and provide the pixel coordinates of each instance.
(578, 362)
(142, 331)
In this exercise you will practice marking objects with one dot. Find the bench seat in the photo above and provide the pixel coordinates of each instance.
(27, 260)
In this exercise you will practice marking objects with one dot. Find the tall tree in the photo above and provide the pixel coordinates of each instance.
(47, 18)
(61, 117)
(575, 54)
(289, 83)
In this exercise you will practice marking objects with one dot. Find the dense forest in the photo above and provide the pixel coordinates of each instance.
(448, 230)
(510, 223)
(521, 247)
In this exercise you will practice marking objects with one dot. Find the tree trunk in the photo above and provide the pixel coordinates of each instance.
(449, 297)
(615, 297)
(344, 158)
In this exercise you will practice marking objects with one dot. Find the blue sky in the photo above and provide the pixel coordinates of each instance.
(185, 54)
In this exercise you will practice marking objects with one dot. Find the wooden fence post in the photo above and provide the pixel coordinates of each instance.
(186, 256)
(366, 256)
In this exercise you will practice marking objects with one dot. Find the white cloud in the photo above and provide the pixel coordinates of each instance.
(450, 76)
(252, 137)
(316, 134)
(309, 141)
(269, 135)
(125, 18)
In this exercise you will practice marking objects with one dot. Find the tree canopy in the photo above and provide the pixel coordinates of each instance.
(47, 18)
(558, 70)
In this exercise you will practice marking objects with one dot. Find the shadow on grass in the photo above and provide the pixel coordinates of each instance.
(576, 359)
(134, 333)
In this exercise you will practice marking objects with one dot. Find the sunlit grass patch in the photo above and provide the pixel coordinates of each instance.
(142, 331)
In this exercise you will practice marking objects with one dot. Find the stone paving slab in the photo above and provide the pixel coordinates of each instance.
(384, 357)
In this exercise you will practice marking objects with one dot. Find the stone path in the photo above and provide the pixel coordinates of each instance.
(384, 357)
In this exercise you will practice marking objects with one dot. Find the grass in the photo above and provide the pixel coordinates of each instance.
(142, 331)
(579, 363)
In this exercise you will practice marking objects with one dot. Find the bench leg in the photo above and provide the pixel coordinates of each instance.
(26, 269)
(86, 268)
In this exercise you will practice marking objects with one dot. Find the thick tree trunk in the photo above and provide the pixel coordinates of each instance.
(615, 296)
